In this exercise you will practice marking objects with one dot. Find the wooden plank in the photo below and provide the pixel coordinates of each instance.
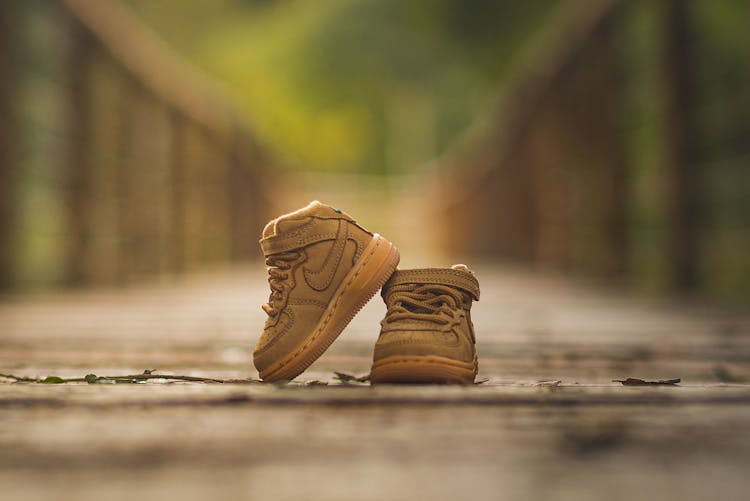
(441, 452)
(158, 438)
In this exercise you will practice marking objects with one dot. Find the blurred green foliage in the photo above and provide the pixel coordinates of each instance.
(352, 85)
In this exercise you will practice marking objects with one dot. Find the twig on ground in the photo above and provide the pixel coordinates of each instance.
(130, 378)
(549, 383)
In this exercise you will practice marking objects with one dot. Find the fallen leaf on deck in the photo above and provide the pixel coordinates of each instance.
(348, 378)
(482, 381)
(631, 381)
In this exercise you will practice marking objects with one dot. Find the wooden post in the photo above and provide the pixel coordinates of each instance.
(238, 198)
(146, 180)
(619, 204)
(177, 185)
(244, 196)
(8, 171)
(681, 193)
(122, 181)
(78, 159)
(602, 205)
(215, 229)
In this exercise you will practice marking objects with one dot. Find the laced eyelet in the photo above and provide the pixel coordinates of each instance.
(428, 302)
(279, 273)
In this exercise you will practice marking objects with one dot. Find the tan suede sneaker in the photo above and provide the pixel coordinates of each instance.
(322, 269)
(427, 335)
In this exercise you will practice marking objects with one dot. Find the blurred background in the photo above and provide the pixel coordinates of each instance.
(142, 139)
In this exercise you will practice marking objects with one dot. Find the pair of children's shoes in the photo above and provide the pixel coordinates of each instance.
(323, 268)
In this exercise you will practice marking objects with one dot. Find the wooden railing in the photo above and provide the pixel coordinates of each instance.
(157, 174)
(508, 189)
(553, 179)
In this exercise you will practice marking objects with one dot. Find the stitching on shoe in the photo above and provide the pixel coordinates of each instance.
(295, 232)
(311, 302)
(274, 246)
(277, 335)
(425, 359)
(327, 318)
(438, 276)
(331, 258)
(405, 342)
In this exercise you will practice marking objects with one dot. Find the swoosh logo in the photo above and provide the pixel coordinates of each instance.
(321, 278)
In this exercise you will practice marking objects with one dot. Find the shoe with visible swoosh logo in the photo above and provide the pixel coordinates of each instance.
(427, 335)
(322, 269)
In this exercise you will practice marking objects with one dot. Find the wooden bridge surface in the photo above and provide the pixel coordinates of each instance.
(508, 438)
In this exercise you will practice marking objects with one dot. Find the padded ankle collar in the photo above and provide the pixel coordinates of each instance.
(438, 276)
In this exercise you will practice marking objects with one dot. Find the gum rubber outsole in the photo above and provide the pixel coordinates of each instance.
(428, 369)
(377, 264)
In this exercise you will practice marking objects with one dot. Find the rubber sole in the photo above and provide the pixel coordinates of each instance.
(422, 370)
(378, 262)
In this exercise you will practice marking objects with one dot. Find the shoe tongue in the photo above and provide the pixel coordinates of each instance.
(461, 267)
(270, 229)
(300, 217)
(458, 275)
(293, 220)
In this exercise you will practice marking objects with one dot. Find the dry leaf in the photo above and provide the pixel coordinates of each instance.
(348, 378)
(631, 381)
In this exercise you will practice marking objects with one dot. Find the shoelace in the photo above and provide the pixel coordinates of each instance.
(431, 302)
(279, 266)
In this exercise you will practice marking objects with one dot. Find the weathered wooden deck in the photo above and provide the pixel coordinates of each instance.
(508, 438)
